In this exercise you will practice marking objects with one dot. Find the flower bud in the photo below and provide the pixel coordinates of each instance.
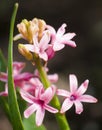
(26, 53)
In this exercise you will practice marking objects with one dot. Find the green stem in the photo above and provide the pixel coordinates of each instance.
(12, 98)
(61, 119)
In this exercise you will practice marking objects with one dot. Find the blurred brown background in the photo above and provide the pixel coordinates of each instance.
(84, 17)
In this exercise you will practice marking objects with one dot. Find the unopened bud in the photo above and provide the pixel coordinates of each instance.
(23, 50)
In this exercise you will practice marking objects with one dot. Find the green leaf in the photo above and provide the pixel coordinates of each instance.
(3, 100)
(29, 124)
(2, 62)
(12, 98)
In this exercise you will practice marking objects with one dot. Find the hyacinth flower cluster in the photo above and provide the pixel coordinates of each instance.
(38, 88)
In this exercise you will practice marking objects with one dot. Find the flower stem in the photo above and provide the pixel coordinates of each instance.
(61, 119)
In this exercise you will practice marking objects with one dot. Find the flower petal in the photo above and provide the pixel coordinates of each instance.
(27, 97)
(68, 36)
(67, 104)
(18, 67)
(23, 76)
(30, 110)
(43, 56)
(58, 46)
(50, 109)
(53, 78)
(50, 52)
(62, 92)
(40, 113)
(70, 43)
(78, 107)
(87, 98)
(48, 94)
(73, 83)
(61, 30)
(82, 89)
(44, 41)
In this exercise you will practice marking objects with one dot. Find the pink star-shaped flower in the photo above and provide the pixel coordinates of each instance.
(19, 78)
(39, 103)
(59, 39)
(40, 47)
(75, 96)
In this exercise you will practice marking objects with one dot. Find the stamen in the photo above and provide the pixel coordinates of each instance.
(72, 97)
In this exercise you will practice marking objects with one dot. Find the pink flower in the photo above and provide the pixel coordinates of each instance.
(31, 85)
(40, 47)
(59, 39)
(75, 96)
(39, 103)
(19, 78)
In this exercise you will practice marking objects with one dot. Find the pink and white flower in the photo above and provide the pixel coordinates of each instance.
(19, 78)
(39, 103)
(59, 39)
(39, 47)
(75, 96)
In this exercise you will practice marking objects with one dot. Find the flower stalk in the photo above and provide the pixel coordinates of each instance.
(61, 119)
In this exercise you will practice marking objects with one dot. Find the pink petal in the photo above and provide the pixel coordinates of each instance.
(27, 97)
(68, 36)
(24, 76)
(43, 56)
(40, 116)
(18, 67)
(78, 107)
(87, 98)
(58, 46)
(38, 92)
(62, 92)
(53, 77)
(35, 82)
(50, 52)
(67, 104)
(48, 94)
(51, 29)
(30, 110)
(44, 41)
(61, 30)
(73, 83)
(82, 89)
(50, 109)
(70, 43)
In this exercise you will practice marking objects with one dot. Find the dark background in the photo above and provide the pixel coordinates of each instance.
(84, 17)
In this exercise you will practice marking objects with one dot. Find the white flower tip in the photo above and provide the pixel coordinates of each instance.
(79, 112)
(95, 100)
(85, 84)
(26, 115)
(64, 25)
(74, 44)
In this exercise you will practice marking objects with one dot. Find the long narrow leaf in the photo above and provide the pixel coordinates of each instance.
(3, 100)
(12, 98)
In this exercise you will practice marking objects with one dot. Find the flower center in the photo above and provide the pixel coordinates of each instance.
(40, 102)
(72, 97)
